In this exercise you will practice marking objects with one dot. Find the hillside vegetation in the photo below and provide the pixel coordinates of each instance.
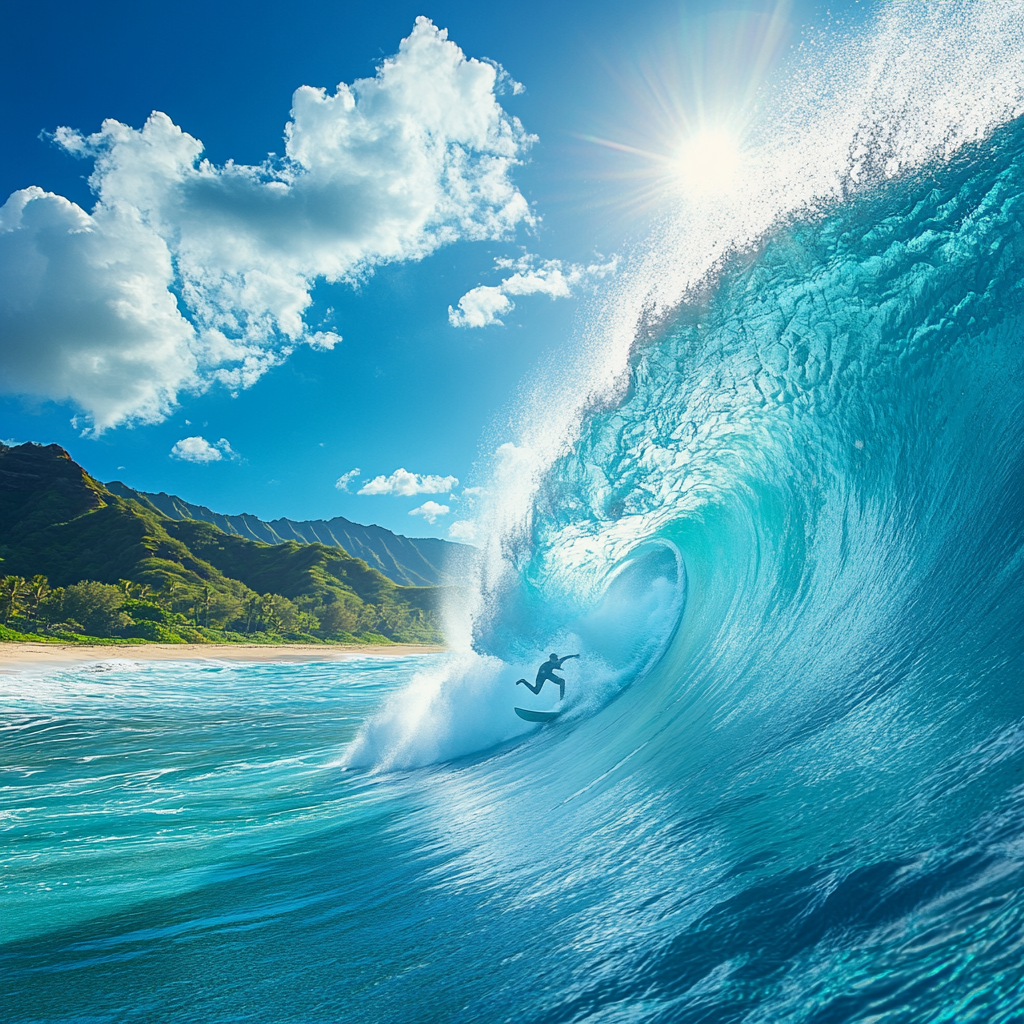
(408, 561)
(70, 547)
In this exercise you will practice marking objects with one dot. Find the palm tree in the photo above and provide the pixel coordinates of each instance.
(306, 622)
(172, 587)
(370, 616)
(268, 612)
(252, 607)
(13, 592)
(38, 588)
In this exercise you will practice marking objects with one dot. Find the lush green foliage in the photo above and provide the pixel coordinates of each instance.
(83, 561)
(90, 611)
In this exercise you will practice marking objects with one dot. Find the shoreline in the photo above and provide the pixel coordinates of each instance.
(15, 656)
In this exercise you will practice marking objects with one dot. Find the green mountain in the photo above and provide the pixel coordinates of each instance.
(59, 522)
(419, 561)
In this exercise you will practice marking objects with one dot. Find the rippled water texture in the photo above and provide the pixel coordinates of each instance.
(787, 783)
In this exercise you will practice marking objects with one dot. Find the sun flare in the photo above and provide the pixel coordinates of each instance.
(709, 160)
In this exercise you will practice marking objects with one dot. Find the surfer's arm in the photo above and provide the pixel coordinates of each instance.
(566, 658)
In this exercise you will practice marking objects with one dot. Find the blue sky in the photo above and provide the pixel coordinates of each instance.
(184, 337)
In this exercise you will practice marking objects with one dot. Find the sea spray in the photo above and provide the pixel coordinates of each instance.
(463, 704)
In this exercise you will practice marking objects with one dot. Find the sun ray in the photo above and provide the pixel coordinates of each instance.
(689, 106)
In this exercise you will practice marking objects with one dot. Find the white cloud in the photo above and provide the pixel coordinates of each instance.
(486, 304)
(345, 479)
(226, 448)
(86, 314)
(324, 341)
(186, 272)
(198, 449)
(404, 483)
(462, 529)
(430, 510)
(480, 307)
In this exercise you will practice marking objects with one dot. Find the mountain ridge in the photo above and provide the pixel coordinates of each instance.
(407, 561)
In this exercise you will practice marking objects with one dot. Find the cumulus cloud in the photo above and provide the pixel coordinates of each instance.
(198, 449)
(405, 484)
(486, 304)
(480, 307)
(430, 510)
(186, 272)
(345, 479)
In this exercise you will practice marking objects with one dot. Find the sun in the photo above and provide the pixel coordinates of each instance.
(709, 160)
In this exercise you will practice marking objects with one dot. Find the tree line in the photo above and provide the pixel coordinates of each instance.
(175, 611)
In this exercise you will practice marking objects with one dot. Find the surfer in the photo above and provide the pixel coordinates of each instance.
(547, 672)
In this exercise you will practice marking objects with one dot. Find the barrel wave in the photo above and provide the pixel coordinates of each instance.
(785, 533)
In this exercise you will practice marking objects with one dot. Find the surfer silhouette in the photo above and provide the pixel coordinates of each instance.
(546, 673)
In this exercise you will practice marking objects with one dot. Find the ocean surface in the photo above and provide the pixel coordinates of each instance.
(785, 533)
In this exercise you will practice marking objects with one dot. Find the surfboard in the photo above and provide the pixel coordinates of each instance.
(536, 716)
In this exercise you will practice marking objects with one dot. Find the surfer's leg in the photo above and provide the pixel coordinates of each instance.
(530, 686)
(559, 682)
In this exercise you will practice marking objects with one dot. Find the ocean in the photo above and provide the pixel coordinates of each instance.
(784, 530)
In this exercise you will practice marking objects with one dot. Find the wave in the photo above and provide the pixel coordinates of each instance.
(806, 803)
(800, 410)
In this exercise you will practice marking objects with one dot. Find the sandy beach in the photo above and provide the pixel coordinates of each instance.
(14, 656)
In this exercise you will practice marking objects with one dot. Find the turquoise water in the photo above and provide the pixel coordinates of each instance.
(786, 785)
